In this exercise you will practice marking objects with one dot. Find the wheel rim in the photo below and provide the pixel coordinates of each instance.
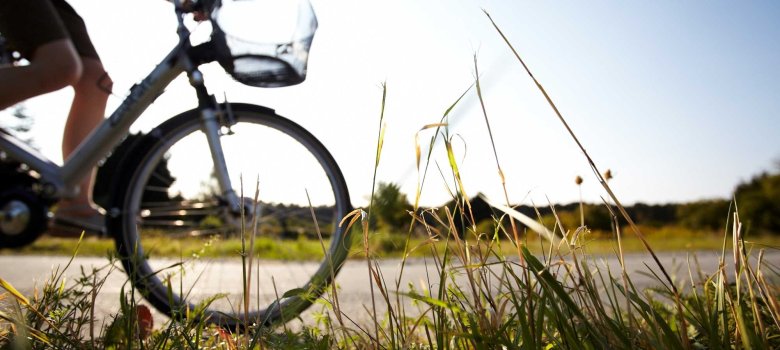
(178, 209)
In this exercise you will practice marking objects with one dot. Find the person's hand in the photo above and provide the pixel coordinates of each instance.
(198, 15)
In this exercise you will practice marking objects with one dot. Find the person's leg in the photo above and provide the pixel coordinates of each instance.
(86, 112)
(88, 107)
(53, 66)
(54, 39)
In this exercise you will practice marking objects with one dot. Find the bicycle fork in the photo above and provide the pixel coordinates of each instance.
(211, 127)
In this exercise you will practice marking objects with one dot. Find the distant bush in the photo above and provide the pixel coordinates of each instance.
(709, 214)
(655, 215)
(758, 202)
(391, 207)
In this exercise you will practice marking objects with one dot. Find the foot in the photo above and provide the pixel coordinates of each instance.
(71, 219)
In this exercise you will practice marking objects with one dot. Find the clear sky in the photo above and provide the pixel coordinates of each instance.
(681, 100)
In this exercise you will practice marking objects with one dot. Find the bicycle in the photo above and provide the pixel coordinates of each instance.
(164, 193)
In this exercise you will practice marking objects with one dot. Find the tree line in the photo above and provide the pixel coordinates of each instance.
(757, 201)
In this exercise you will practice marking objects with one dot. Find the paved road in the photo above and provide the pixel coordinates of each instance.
(26, 272)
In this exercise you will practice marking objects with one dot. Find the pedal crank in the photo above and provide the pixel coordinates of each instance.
(23, 217)
(14, 217)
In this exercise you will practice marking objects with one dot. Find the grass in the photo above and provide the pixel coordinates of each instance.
(494, 287)
(481, 298)
(384, 244)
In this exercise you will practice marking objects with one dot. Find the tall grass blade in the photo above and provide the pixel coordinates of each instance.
(454, 166)
(251, 254)
(603, 182)
(418, 157)
(367, 218)
(595, 169)
(15, 293)
(495, 153)
(442, 123)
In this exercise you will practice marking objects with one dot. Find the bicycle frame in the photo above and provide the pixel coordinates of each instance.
(63, 181)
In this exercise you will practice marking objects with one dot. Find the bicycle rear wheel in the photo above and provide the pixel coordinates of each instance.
(182, 244)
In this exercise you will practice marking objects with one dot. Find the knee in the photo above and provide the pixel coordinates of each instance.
(60, 73)
(55, 65)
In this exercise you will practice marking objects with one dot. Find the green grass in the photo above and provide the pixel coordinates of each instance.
(565, 300)
(384, 245)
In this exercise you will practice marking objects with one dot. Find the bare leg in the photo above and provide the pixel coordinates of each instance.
(53, 66)
(86, 112)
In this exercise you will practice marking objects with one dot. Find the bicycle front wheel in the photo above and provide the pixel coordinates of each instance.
(184, 246)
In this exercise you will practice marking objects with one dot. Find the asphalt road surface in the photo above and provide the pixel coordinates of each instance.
(29, 272)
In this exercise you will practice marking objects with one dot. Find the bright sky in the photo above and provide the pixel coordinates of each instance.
(681, 100)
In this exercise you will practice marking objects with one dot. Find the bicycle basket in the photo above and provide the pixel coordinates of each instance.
(264, 43)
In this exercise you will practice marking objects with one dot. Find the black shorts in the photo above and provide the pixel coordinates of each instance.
(28, 24)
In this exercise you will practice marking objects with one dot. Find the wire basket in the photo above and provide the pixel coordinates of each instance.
(264, 43)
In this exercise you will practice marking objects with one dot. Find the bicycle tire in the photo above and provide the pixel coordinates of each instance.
(135, 226)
